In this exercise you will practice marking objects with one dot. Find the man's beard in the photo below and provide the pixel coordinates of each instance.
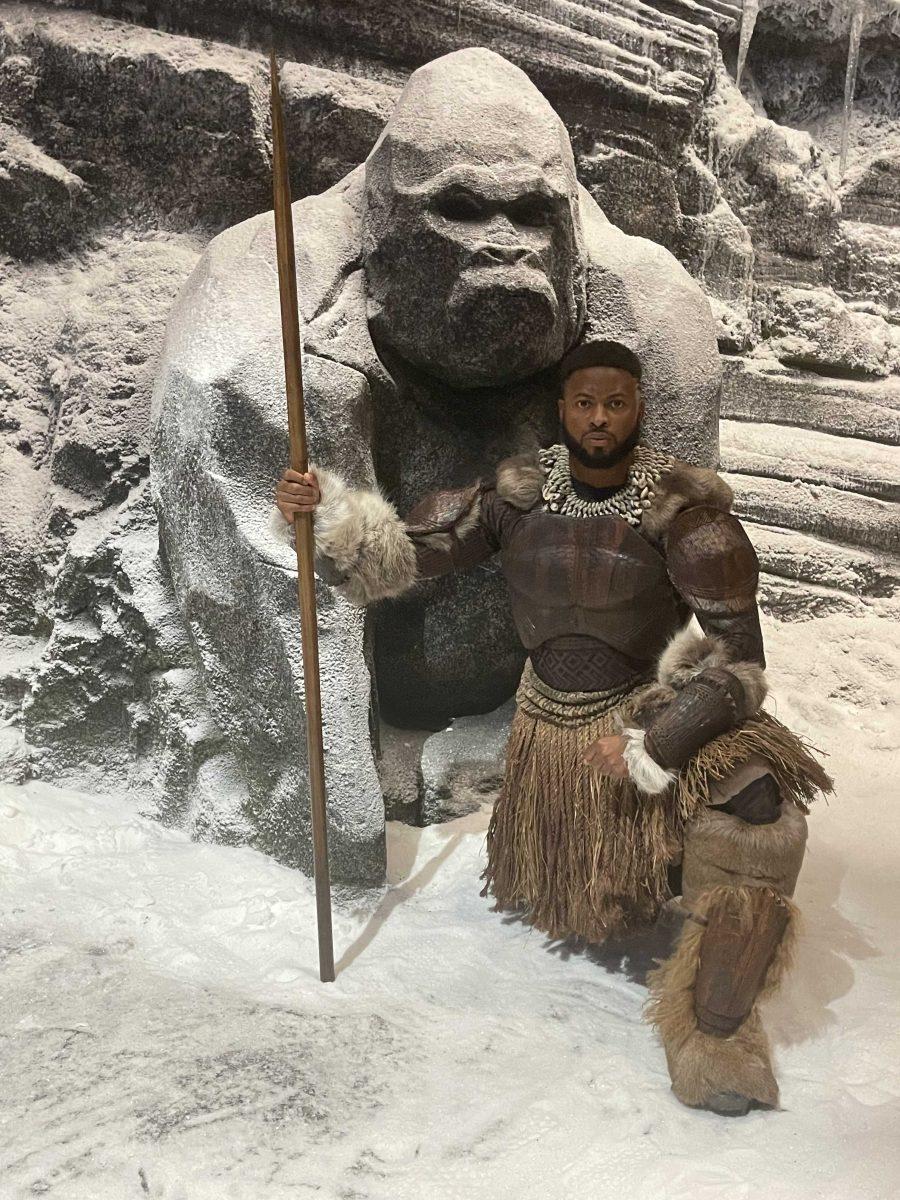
(601, 458)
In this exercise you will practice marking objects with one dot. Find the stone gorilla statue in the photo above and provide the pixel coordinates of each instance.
(439, 285)
(472, 247)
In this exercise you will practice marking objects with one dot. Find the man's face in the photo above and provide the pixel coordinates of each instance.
(600, 412)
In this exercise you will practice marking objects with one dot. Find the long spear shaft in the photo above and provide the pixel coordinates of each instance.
(303, 523)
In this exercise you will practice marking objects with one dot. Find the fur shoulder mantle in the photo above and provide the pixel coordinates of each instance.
(519, 481)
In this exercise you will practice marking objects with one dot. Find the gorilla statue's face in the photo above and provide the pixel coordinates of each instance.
(472, 243)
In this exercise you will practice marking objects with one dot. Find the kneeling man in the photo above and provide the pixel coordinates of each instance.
(638, 752)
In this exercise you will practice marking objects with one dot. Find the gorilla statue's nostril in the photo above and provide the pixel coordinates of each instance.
(507, 255)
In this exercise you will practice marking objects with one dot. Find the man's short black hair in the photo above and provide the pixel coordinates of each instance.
(600, 354)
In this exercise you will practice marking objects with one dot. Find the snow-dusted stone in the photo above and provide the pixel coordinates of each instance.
(158, 122)
(432, 401)
(813, 327)
(827, 21)
(797, 556)
(717, 249)
(870, 191)
(774, 177)
(626, 55)
(827, 512)
(432, 777)
(77, 358)
(864, 265)
(155, 120)
(107, 694)
(39, 198)
(400, 772)
(851, 464)
(462, 766)
(81, 580)
(761, 389)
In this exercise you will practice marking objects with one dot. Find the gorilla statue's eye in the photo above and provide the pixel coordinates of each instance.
(534, 210)
(459, 206)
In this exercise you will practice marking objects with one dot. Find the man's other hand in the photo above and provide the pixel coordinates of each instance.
(297, 493)
(606, 755)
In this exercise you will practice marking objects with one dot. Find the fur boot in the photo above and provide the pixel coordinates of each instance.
(726, 1074)
(744, 872)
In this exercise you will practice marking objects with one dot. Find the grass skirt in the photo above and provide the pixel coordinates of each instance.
(587, 854)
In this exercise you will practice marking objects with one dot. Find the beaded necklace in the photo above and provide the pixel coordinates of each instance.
(629, 502)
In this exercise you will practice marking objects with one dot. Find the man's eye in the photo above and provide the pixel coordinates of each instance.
(459, 206)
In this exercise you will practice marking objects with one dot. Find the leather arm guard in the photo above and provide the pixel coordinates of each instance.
(448, 531)
(709, 704)
(713, 565)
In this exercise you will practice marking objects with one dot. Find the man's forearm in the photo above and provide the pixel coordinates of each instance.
(369, 553)
(361, 543)
(709, 694)
(709, 704)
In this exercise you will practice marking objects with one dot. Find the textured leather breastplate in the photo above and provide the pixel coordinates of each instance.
(589, 575)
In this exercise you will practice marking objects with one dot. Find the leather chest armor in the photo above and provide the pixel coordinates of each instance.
(593, 601)
(595, 577)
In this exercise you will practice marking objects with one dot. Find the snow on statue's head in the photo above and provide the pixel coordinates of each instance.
(472, 239)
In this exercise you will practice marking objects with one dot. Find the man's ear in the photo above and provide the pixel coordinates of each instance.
(561, 405)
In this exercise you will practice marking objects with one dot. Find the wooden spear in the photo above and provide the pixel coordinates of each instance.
(303, 523)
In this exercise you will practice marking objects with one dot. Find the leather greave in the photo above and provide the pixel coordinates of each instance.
(744, 928)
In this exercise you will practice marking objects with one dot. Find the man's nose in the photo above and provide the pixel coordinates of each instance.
(599, 419)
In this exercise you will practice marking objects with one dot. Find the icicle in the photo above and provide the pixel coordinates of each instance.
(749, 14)
(857, 24)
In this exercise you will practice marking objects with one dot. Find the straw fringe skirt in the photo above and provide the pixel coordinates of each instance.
(587, 854)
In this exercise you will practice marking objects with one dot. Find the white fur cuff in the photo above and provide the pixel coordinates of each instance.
(360, 533)
(360, 536)
(646, 774)
(280, 529)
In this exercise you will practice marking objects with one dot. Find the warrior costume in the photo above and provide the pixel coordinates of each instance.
(602, 591)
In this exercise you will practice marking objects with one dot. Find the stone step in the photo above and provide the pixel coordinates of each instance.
(787, 554)
(626, 55)
(825, 512)
(760, 390)
(199, 150)
(776, 452)
(789, 600)
(871, 190)
(722, 15)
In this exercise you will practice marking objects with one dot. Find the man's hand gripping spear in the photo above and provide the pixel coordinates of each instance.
(303, 523)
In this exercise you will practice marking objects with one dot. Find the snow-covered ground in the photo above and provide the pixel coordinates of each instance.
(164, 1032)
